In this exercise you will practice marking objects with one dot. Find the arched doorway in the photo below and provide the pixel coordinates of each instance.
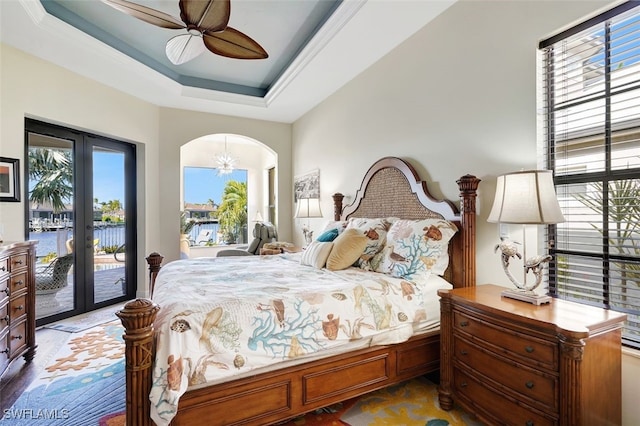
(203, 182)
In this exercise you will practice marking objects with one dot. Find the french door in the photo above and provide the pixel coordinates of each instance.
(81, 208)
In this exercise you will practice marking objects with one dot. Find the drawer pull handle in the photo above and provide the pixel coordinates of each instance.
(463, 352)
(19, 307)
(463, 385)
(19, 282)
(5, 319)
(529, 349)
(6, 352)
(3, 268)
(464, 323)
(529, 423)
(18, 337)
(6, 290)
(529, 384)
(18, 262)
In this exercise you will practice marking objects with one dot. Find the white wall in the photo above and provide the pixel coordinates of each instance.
(458, 97)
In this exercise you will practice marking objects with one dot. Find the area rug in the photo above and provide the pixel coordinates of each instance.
(84, 382)
(86, 321)
(411, 403)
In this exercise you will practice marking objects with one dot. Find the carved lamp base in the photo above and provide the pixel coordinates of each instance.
(526, 296)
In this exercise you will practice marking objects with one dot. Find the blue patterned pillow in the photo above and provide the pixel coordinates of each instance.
(328, 236)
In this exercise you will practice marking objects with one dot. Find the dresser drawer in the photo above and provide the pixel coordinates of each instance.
(4, 289)
(18, 283)
(4, 317)
(497, 406)
(4, 350)
(18, 262)
(17, 338)
(4, 266)
(530, 350)
(522, 382)
(18, 308)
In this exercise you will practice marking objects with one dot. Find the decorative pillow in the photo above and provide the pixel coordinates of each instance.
(316, 254)
(413, 248)
(376, 232)
(329, 235)
(340, 225)
(347, 248)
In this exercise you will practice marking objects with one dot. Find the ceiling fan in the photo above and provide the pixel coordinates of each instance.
(206, 24)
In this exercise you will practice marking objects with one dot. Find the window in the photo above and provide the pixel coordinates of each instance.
(591, 140)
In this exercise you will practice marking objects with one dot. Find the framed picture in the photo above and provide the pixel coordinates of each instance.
(307, 185)
(9, 179)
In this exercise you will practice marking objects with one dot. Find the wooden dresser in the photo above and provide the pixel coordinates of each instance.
(511, 362)
(17, 302)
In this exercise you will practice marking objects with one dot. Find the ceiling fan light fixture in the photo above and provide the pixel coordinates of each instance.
(184, 47)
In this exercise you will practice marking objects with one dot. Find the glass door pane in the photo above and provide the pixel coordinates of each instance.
(109, 224)
(51, 220)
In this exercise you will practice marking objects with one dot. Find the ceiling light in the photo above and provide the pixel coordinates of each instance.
(226, 163)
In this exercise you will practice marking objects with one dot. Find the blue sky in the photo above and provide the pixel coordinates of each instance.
(202, 184)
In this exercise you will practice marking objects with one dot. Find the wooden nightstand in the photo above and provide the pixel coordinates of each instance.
(510, 362)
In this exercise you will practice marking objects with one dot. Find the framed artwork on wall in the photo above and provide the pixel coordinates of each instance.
(307, 185)
(9, 179)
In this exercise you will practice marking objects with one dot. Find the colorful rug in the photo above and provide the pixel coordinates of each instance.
(84, 382)
(412, 403)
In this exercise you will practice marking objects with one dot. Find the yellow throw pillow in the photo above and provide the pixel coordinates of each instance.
(347, 248)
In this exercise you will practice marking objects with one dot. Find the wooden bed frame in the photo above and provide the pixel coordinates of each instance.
(391, 187)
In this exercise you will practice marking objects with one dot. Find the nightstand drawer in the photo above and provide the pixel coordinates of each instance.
(502, 409)
(522, 382)
(530, 350)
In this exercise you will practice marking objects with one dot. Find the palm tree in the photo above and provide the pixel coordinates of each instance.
(232, 212)
(52, 171)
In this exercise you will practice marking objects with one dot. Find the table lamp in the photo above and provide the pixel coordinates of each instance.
(525, 198)
(308, 208)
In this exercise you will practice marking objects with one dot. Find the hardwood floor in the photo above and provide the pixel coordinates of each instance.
(18, 377)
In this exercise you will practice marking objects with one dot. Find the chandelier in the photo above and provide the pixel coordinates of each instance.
(225, 161)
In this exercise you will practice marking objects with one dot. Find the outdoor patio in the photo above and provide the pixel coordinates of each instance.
(108, 283)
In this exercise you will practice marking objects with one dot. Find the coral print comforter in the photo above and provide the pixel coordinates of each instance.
(222, 317)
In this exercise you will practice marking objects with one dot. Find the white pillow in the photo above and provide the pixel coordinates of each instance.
(316, 254)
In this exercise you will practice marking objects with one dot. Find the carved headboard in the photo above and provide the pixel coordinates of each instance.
(392, 188)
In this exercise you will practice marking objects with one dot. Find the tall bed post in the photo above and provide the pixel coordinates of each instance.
(137, 318)
(468, 185)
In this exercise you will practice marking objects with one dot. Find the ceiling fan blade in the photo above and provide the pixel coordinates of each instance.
(233, 44)
(146, 14)
(207, 15)
(183, 48)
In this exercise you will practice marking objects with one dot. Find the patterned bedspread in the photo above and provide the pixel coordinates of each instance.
(224, 316)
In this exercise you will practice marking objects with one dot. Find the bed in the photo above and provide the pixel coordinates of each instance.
(391, 188)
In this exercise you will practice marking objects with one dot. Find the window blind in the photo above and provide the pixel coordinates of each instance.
(591, 140)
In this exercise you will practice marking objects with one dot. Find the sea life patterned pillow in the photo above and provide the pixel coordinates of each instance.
(376, 232)
(413, 248)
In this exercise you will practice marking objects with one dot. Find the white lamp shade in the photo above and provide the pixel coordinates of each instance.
(308, 207)
(526, 197)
